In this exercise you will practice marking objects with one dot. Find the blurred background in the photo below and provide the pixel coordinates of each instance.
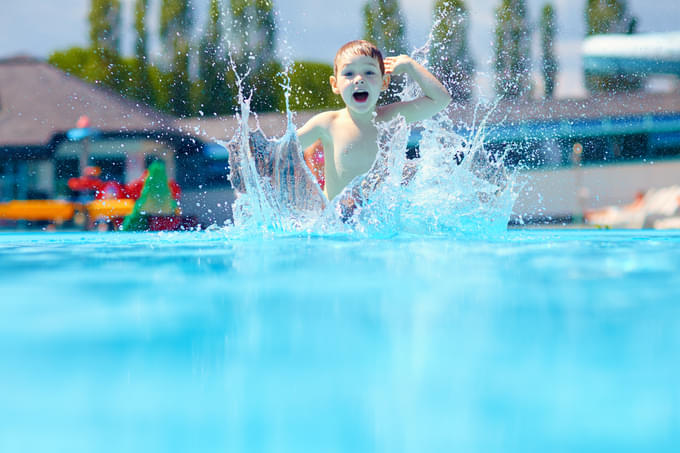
(583, 97)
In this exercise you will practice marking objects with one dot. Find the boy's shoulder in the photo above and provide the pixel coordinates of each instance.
(325, 118)
(318, 127)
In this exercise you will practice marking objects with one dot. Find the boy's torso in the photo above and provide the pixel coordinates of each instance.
(350, 151)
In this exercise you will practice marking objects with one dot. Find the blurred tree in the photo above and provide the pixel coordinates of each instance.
(104, 18)
(105, 25)
(385, 27)
(265, 32)
(512, 53)
(86, 64)
(142, 87)
(449, 56)
(74, 61)
(610, 16)
(215, 96)
(172, 90)
(310, 87)
(160, 81)
(254, 50)
(241, 15)
(265, 84)
(548, 59)
(175, 31)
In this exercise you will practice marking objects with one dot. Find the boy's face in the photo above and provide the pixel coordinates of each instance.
(359, 82)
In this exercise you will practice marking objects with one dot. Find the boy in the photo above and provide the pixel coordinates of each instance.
(349, 136)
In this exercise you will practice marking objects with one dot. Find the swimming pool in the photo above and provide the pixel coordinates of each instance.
(532, 341)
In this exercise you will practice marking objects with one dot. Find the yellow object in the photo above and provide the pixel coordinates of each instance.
(110, 208)
(53, 210)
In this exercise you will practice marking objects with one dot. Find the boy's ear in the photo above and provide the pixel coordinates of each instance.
(386, 82)
(334, 85)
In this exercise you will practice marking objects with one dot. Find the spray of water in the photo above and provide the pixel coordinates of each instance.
(455, 187)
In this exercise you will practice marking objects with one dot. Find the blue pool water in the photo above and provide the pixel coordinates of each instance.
(529, 341)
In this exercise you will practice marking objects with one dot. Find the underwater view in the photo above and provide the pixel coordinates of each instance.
(222, 229)
(536, 340)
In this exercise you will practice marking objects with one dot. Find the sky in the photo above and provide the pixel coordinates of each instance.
(315, 29)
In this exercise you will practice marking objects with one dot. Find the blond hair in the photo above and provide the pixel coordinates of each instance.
(359, 47)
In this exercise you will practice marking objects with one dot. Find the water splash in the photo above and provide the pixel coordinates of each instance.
(276, 192)
(455, 187)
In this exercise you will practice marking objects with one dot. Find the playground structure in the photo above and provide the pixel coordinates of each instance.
(43, 144)
(96, 204)
(92, 179)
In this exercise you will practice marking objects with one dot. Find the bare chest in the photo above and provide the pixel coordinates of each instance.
(354, 149)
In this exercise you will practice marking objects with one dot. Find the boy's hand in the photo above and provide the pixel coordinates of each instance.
(398, 65)
(435, 96)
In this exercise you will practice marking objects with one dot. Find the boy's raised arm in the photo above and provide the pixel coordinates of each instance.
(435, 96)
(313, 130)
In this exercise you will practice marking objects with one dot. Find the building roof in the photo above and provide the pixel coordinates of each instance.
(617, 114)
(508, 113)
(225, 127)
(37, 100)
(598, 106)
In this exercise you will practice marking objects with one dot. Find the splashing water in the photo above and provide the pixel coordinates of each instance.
(455, 187)
(276, 191)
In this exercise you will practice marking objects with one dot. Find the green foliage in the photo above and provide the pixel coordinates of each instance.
(240, 11)
(104, 64)
(254, 35)
(264, 85)
(74, 61)
(104, 20)
(265, 22)
(142, 88)
(370, 22)
(141, 47)
(512, 57)
(610, 16)
(98, 66)
(176, 20)
(384, 26)
(449, 56)
(86, 64)
(214, 93)
(169, 86)
(161, 81)
(180, 87)
(549, 64)
(175, 31)
(310, 87)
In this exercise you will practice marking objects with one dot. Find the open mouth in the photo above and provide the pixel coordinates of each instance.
(360, 96)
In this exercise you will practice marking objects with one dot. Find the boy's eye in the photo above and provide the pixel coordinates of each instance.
(370, 72)
(348, 74)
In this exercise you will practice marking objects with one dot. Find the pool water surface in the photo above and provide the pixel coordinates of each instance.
(555, 340)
